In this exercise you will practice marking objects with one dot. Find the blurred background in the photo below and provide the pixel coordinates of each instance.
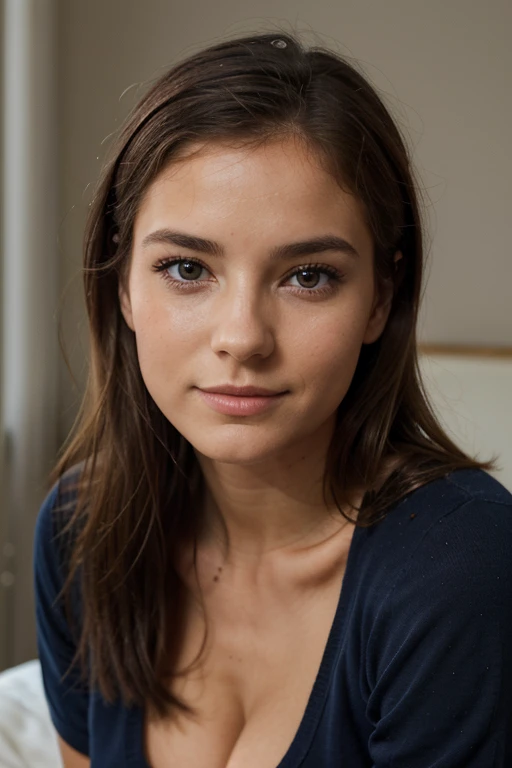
(71, 70)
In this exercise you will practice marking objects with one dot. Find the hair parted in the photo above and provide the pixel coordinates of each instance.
(136, 476)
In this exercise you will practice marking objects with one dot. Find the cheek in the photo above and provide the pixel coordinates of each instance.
(156, 342)
(160, 326)
(329, 353)
(331, 364)
(167, 340)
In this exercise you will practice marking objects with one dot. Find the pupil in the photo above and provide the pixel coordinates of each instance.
(186, 269)
(304, 276)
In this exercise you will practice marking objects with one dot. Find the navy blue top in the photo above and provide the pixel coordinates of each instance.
(417, 670)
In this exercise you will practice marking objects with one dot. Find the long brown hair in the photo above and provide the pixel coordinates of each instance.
(135, 476)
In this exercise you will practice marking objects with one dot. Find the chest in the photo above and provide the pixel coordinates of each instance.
(251, 685)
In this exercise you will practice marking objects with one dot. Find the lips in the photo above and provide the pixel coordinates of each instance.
(247, 391)
(241, 403)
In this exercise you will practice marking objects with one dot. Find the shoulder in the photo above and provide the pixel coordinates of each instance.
(54, 513)
(462, 515)
(475, 484)
(452, 531)
(466, 531)
(467, 499)
(434, 613)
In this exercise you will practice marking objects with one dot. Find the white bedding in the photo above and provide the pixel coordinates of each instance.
(27, 736)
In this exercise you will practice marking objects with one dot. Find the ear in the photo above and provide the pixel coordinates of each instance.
(381, 307)
(125, 303)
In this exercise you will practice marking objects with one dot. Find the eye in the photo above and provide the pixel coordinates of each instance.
(313, 279)
(316, 280)
(180, 272)
(186, 269)
(310, 278)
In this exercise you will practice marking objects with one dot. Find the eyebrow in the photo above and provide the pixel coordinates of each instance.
(318, 244)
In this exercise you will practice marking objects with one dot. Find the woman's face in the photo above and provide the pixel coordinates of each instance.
(275, 289)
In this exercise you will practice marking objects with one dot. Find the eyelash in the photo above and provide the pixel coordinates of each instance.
(335, 276)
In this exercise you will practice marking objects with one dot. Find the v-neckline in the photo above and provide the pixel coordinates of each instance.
(301, 742)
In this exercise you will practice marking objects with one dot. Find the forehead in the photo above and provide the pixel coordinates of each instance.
(277, 184)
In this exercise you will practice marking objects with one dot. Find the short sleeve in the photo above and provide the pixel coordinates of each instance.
(439, 657)
(68, 699)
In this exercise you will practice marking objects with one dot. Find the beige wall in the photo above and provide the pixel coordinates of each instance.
(444, 69)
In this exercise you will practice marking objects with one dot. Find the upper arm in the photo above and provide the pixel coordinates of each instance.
(67, 695)
(70, 757)
(440, 652)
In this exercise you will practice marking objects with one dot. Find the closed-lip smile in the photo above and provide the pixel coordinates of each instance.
(229, 389)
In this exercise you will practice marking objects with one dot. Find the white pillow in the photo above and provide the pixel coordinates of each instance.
(27, 735)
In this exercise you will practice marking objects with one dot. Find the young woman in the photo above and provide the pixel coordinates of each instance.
(260, 548)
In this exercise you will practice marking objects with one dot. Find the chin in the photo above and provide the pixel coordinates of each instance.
(236, 446)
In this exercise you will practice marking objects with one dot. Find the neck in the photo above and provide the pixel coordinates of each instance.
(250, 511)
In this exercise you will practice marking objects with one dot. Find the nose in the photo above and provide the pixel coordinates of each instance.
(241, 325)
